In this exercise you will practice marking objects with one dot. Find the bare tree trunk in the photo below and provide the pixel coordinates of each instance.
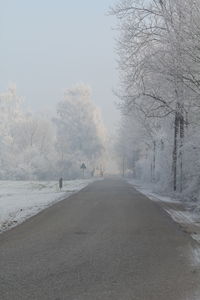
(151, 167)
(123, 166)
(181, 149)
(154, 161)
(175, 156)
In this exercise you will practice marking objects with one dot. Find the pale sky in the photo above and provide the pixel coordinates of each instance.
(47, 46)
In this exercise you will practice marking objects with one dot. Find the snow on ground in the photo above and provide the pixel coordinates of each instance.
(20, 200)
(147, 189)
(179, 212)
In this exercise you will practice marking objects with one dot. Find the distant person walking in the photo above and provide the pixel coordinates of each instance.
(83, 167)
(61, 183)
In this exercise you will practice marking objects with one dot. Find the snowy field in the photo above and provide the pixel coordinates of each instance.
(20, 200)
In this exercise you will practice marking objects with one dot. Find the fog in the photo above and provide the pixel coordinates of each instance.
(48, 46)
(51, 49)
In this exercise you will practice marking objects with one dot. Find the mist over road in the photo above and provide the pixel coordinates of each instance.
(107, 242)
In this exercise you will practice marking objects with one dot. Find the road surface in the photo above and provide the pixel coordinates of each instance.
(107, 242)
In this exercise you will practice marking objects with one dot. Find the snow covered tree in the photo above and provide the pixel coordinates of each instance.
(80, 131)
(27, 142)
(159, 68)
(37, 147)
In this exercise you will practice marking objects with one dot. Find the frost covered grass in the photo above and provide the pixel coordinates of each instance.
(20, 200)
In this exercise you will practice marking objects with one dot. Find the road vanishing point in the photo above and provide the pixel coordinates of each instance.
(107, 242)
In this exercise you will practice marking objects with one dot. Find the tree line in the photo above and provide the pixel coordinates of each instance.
(158, 51)
(37, 146)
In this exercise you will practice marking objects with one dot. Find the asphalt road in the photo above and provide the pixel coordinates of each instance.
(106, 242)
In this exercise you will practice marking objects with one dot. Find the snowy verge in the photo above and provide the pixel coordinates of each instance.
(20, 200)
(179, 211)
